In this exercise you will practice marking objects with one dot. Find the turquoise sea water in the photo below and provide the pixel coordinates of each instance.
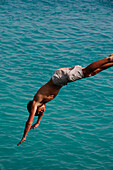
(38, 37)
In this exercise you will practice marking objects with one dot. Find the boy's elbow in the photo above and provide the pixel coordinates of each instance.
(29, 123)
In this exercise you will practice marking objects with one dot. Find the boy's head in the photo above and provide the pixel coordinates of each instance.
(29, 106)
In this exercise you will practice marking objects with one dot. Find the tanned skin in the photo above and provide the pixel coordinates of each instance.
(49, 91)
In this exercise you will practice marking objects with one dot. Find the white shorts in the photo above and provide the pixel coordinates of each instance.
(63, 76)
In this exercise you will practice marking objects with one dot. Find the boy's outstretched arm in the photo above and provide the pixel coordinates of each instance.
(29, 122)
(38, 121)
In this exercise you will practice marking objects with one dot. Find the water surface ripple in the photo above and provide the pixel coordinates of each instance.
(38, 37)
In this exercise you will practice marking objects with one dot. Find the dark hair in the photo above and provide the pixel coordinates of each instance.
(29, 106)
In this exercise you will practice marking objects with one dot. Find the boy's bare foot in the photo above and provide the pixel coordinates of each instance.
(110, 57)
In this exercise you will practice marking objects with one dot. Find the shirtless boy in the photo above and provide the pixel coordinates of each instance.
(49, 91)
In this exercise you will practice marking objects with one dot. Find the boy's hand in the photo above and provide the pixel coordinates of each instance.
(23, 139)
(34, 126)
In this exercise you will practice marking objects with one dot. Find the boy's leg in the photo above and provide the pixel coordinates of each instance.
(104, 67)
(96, 65)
